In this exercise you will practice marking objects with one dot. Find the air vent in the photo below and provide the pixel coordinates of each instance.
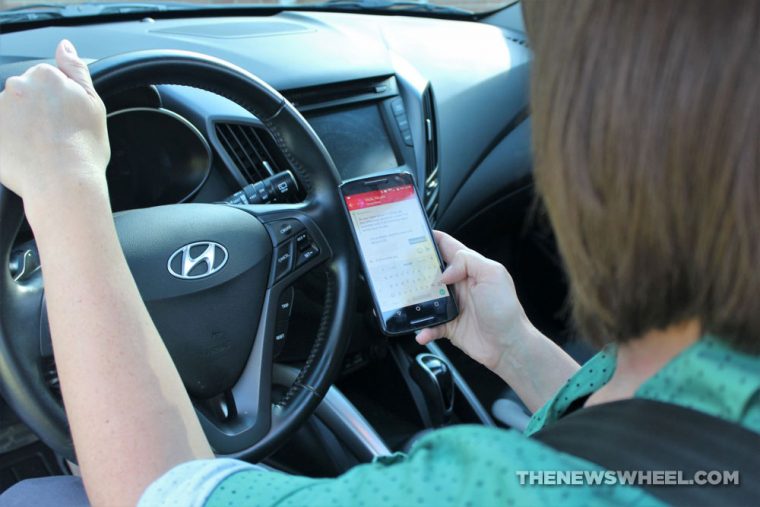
(431, 156)
(317, 97)
(251, 150)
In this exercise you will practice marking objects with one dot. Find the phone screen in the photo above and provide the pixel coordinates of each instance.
(399, 255)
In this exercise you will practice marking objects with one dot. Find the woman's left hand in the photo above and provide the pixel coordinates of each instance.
(53, 136)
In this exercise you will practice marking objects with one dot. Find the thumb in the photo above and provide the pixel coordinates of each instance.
(75, 69)
(430, 334)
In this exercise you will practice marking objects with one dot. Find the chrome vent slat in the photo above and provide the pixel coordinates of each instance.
(431, 199)
(236, 150)
(251, 149)
(253, 168)
(261, 151)
(432, 178)
(224, 133)
(256, 164)
(433, 212)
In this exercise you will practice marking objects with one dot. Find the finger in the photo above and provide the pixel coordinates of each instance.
(447, 245)
(43, 72)
(73, 66)
(469, 264)
(430, 334)
(14, 85)
(458, 269)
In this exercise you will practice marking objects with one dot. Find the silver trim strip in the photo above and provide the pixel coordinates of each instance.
(342, 417)
(463, 387)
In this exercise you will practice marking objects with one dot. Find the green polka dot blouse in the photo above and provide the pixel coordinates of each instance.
(477, 466)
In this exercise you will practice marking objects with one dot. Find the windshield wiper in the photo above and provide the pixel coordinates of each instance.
(40, 12)
(36, 12)
(44, 12)
(390, 5)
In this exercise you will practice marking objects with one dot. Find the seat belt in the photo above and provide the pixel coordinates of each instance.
(647, 435)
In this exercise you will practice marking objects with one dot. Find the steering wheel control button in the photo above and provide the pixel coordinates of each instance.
(282, 230)
(285, 229)
(285, 304)
(303, 241)
(283, 260)
(305, 248)
(309, 253)
(280, 336)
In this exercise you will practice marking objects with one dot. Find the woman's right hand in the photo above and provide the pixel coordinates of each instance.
(491, 320)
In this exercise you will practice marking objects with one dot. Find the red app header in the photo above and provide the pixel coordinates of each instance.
(378, 197)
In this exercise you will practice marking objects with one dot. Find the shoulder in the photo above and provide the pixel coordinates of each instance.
(594, 373)
(472, 446)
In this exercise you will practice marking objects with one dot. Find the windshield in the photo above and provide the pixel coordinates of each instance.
(31, 9)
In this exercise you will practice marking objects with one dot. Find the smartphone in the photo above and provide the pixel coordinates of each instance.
(400, 258)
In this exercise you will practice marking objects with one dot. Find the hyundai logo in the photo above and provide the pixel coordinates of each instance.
(197, 260)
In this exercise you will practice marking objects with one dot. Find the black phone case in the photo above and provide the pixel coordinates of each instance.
(376, 305)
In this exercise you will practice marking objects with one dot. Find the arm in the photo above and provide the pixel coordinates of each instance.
(493, 329)
(535, 368)
(108, 352)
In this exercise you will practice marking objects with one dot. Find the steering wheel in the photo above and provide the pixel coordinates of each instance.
(214, 277)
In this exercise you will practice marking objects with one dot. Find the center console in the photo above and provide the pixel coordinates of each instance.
(390, 391)
(414, 390)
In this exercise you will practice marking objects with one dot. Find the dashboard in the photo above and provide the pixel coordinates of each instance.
(443, 99)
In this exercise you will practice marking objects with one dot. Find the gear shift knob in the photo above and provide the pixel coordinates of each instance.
(434, 378)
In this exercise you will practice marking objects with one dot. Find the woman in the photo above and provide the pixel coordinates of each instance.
(646, 118)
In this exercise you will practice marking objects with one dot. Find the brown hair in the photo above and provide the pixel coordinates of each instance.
(646, 138)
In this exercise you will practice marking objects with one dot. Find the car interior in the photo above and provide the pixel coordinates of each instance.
(235, 125)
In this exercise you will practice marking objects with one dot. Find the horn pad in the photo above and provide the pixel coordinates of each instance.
(207, 318)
